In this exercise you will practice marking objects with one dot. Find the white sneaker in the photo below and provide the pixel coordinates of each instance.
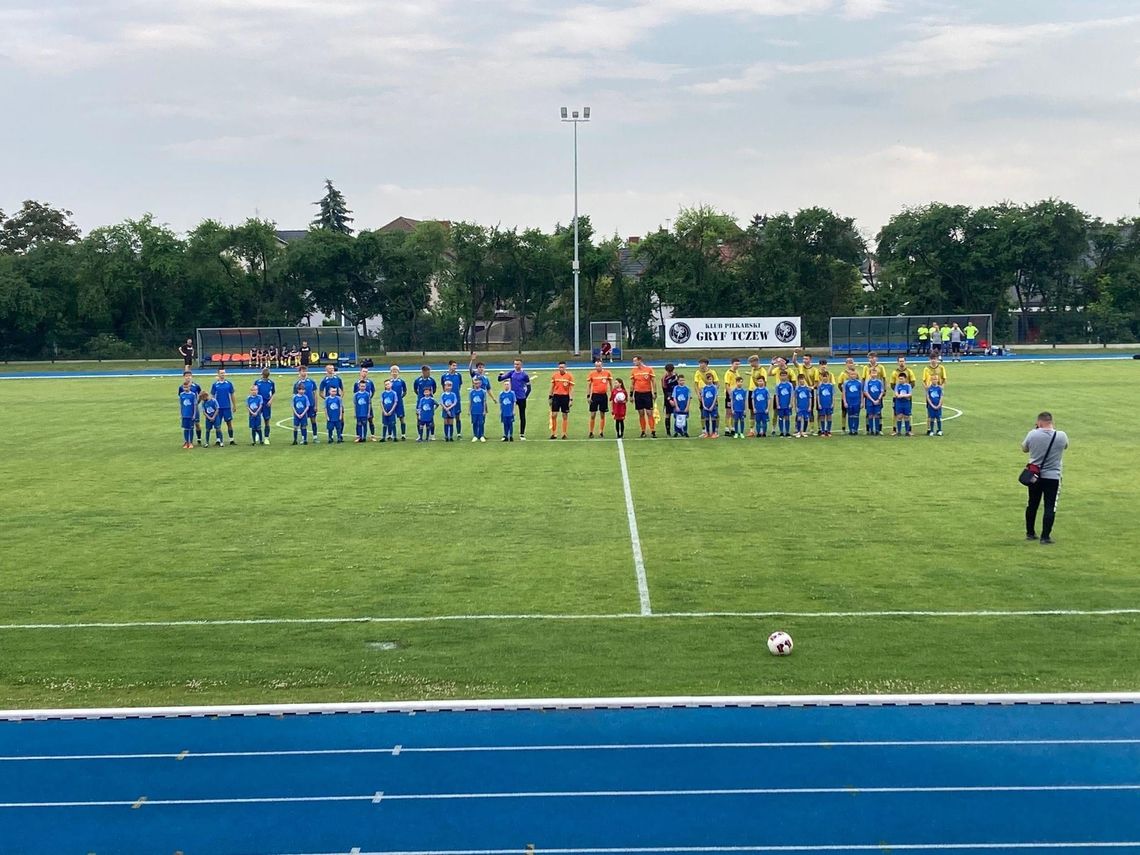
(522, 438)
(265, 441)
(474, 439)
(482, 439)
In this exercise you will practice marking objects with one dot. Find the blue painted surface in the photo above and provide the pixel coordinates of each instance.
(589, 800)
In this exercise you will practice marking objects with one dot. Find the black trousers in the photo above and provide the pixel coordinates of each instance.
(521, 402)
(1042, 488)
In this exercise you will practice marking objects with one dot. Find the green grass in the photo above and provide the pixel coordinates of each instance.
(103, 518)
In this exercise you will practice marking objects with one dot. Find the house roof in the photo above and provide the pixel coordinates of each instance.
(407, 224)
(290, 235)
(629, 264)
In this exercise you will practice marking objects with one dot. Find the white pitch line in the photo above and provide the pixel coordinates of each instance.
(332, 621)
(634, 537)
(616, 747)
(585, 794)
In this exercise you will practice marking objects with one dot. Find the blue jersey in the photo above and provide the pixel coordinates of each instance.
(709, 397)
(761, 397)
(363, 403)
(903, 405)
(803, 399)
(194, 387)
(478, 401)
(453, 377)
(426, 408)
(681, 397)
(484, 380)
(266, 389)
(739, 401)
(853, 393)
(449, 401)
(934, 393)
(784, 393)
(334, 408)
(331, 382)
(300, 405)
(254, 403)
(223, 390)
(876, 388)
(388, 401)
(507, 405)
(826, 395)
(310, 389)
(399, 387)
(520, 383)
(211, 409)
(369, 387)
(188, 404)
(422, 384)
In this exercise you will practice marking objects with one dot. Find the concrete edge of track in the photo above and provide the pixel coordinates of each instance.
(525, 704)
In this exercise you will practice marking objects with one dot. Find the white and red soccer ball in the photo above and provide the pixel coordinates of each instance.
(779, 643)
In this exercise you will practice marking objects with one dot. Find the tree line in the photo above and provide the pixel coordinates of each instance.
(137, 287)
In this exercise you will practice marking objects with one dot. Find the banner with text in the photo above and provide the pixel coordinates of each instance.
(698, 333)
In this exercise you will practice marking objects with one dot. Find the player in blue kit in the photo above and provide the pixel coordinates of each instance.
(424, 382)
(477, 400)
(334, 414)
(682, 398)
(934, 408)
(449, 403)
(425, 414)
(710, 399)
(825, 402)
(223, 392)
(211, 412)
(805, 398)
(852, 388)
(453, 377)
(761, 401)
(904, 394)
(739, 400)
(400, 387)
(266, 388)
(309, 386)
(188, 407)
(874, 390)
(362, 406)
(370, 388)
(301, 414)
(389, 403)
(331, 381)
(188, 377)
(785, 393)
(254, 404)
(507, 411)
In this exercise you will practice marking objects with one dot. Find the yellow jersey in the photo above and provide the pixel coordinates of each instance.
(906, 373)
(811, 372)
(865, 371)
(755, 374)
(730, 379)
(700, 377)
(929, 374)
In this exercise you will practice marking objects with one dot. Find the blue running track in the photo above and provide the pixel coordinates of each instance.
(843, 774)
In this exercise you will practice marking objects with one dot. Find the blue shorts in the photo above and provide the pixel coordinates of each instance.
(971, 342)
(784, 412)
(902, 410)
(266, 414)
(188, 423)
(827, 413)
(255, 422)
(225, 415)
(399, 410)
(803, 414)
(932, 413)
(390, 421)
(738, 414)
(300, 421)
(874, 409)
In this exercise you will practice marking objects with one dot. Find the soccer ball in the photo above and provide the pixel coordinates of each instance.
(779, 643)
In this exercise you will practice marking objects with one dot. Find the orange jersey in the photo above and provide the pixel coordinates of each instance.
(561, 384)
(600, 382)
(642, 379)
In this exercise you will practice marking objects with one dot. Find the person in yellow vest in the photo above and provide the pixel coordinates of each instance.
(731, 374)
(935, 370)
(923, 338)
(703, 371)
(971, 337)
(872, 365)
(945, 333)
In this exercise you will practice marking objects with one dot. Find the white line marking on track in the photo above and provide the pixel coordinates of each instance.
(897, 613)
(634, 537)
(645, 746)
(583, 794)
(832, 847)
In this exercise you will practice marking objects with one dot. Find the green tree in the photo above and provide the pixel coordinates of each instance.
(34, 225)
(333, 215)
(688, 268)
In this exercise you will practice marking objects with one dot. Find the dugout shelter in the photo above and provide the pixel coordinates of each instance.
(222, 347)
(898, 335)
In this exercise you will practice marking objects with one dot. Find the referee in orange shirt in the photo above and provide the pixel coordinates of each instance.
(644, 383)
(599, 382)
(561, 394)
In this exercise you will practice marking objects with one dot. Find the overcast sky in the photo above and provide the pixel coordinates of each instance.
(443, 109)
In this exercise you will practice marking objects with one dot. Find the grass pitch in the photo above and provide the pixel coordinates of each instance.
(105, 519)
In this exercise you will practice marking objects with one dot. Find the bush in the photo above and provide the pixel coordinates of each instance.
(107, 346)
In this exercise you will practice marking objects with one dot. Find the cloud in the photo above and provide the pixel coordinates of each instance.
(861, 10)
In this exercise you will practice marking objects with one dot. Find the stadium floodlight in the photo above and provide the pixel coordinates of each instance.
(575, 120)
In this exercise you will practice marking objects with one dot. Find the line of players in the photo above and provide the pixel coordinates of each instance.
(798, 389)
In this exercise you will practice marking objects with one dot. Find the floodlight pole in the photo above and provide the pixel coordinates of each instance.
(575, 119)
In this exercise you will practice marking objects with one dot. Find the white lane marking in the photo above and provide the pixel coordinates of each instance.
(896, 613)
(634, 746)
(587, 794)
(832, 847)
(634, 537)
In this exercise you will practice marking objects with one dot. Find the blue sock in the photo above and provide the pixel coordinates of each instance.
(458, 426)
(403, 428)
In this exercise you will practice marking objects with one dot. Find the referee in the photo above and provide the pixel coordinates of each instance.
(1045, 446)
